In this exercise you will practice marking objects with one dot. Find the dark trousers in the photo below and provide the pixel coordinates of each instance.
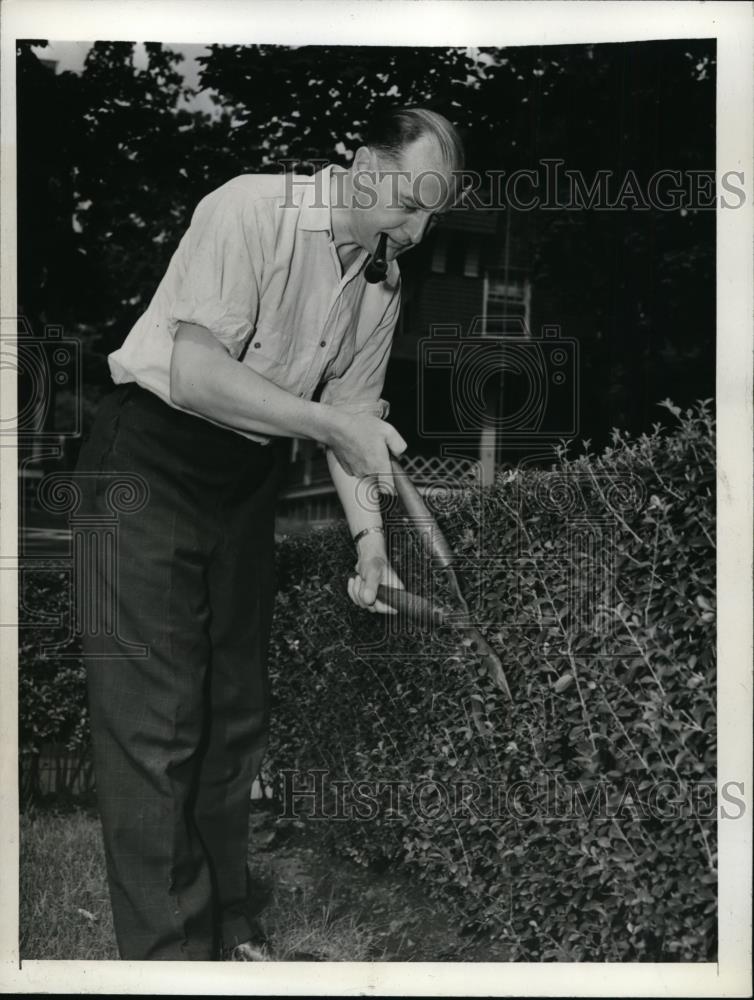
(178, 734)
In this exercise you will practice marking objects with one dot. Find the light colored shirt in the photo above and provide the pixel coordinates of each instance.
(258, 267)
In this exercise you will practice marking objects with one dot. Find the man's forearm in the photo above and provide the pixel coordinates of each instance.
(206, 380)
(358, 497)
(360, 501)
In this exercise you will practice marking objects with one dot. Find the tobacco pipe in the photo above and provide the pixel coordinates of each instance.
(376, 269)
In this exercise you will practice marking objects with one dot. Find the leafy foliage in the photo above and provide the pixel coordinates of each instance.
(113, 161)
(578, 861)
(102, 165)
(318, 100)
(609, 108)
(53, 717)
(605, 714)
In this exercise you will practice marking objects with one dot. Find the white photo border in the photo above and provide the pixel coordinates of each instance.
(433, 22)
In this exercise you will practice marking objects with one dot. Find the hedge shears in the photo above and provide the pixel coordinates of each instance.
(437, 551)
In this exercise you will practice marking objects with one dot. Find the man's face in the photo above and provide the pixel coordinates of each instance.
(404, 200)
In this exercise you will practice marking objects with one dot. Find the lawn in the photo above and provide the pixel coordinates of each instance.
(320, 908)
(65, 909)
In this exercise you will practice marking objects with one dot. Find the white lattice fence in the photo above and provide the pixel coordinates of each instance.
(316, 503)
(446, 471)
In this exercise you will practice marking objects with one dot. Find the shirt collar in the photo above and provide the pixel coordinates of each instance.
(316, 214)
(315, 211)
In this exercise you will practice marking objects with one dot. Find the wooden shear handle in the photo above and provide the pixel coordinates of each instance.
(411, 606)
(433, 541)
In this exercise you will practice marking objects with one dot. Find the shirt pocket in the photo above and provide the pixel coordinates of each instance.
(268, 351)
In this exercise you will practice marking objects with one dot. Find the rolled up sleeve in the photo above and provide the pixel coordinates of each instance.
(359, 389)
(220, 286)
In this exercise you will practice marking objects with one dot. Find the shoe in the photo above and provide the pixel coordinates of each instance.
(256, 948)
(249, 951)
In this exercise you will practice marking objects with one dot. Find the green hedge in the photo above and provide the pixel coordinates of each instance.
(611, 699)
(53, 719)
(614, 694)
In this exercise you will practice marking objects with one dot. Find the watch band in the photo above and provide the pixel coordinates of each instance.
(367, 531)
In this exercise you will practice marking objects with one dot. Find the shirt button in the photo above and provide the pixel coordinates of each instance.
(323, 343)
(257, 344)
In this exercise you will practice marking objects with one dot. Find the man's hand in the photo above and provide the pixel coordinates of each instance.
(372, 569)
(363, 445)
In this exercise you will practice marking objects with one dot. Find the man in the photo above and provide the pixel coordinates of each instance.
(264, 307)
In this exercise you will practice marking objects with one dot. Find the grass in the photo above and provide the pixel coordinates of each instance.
(65, 908)
(318, 935)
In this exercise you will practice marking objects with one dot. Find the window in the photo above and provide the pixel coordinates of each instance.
(471, 263)
(440, 253)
